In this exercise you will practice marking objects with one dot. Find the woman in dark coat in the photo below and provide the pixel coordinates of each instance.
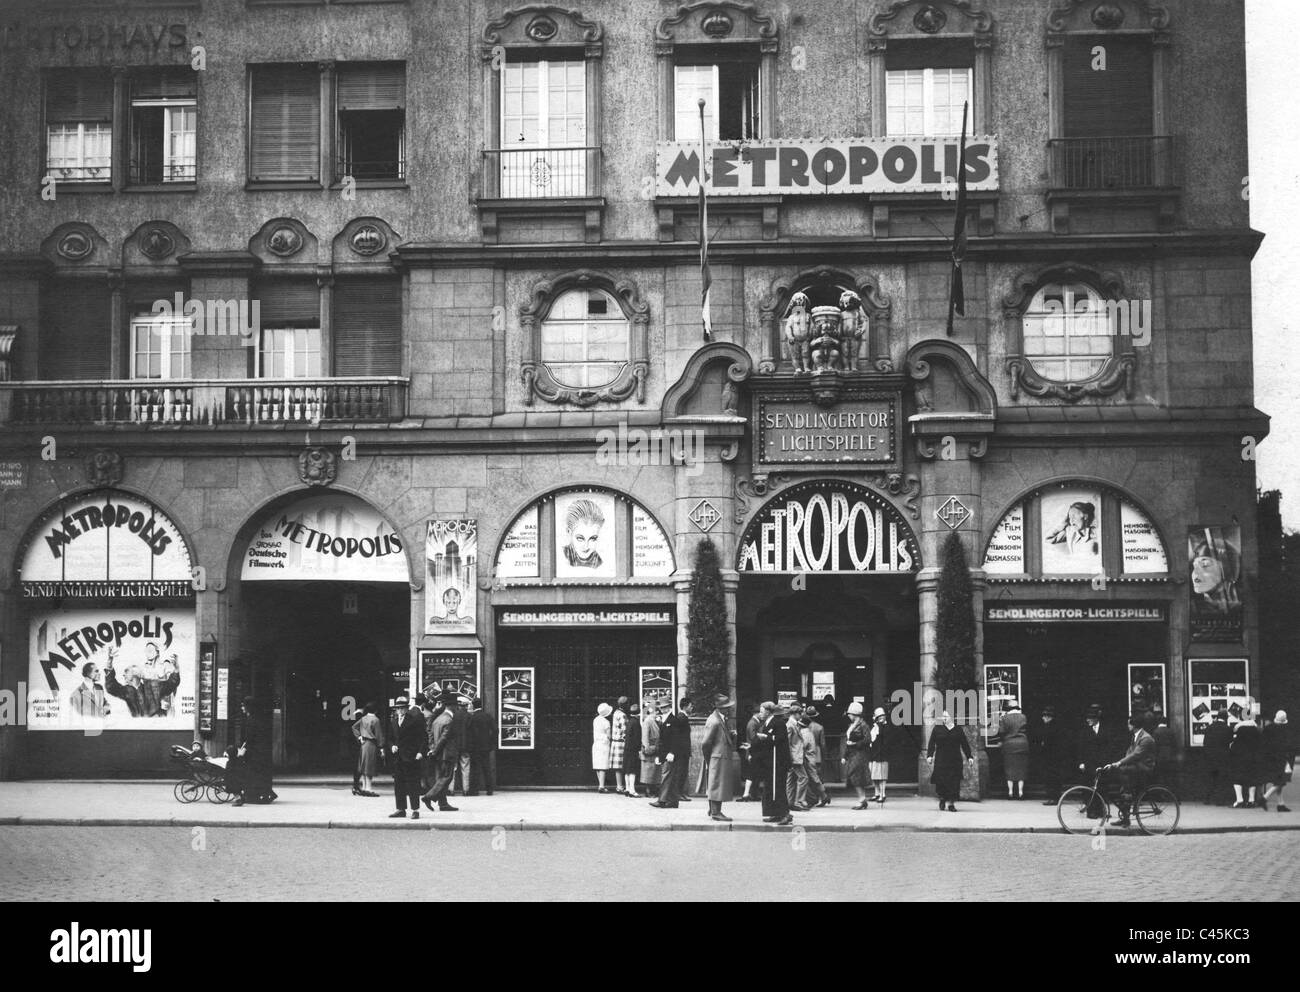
(947, 746)
(857, 768)
(1015, 749)
(632, 750)
(1279, 759)
(248, 772)
(1243, 761)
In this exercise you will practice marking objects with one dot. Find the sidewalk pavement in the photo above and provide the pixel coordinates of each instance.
(151, 803)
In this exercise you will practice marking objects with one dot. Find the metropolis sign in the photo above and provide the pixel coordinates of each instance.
(829, 526)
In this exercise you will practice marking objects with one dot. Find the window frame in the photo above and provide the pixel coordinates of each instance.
(290, 352)
(571, 161)
(324, 99)
(172, 328)
(170, 105)
(928, 102)
(1069, 315)
(586, 363)
(337, 130)
(49, 121)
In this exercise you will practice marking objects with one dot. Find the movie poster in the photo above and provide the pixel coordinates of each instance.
(1214, 583)
(97, 670)
(584, 536)
(451, 560)
(1071, 522)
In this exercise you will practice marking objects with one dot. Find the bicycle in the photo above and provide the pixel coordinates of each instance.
(1084, 809)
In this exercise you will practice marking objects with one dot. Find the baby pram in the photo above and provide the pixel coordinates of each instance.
(203, 775)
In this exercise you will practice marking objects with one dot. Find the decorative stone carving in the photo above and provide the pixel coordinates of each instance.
(717, 25)
(863, 316)
(542, 28)
(1067, 15)
(704, 516)
(104, 467)
(318, 466)
(757, 487)
(542, 24)
(75, 246)
(905, 487)
(368, 240)
(157, 244)
(1108, 16)
(930, 19)
(716, 19)
(284, 241)
(797, 326)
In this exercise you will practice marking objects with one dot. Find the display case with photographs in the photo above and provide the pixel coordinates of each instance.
(516, 702)
(1001, 685)
(1215, 684)
(658, 685)
(1147, 689)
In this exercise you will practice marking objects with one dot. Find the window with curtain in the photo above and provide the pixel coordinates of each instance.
(164, 121)
(284, 129)
(371, 105)
(79, 125)
(586, 339)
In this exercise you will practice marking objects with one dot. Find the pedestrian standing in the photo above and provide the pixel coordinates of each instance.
(460, 730)
(1279, 750)
(1169, 754)
(1015, 749)
(600, 745)
(407, 738)
(675, 741)
(1093, 744)
(1048, 749)
(1243, 759)
(813, 742)
(443, 755)
(796, 777)
(482, 748)
(772, 761)
(618, 744)
(948, 745)
(878, 741)
(717, 776)
(366, 730)
(1217, 747)
(815, 718)
(857, 770)
(632, 750)
(429, 708)
(652, 769)
(747, 754)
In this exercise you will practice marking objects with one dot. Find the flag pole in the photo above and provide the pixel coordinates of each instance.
(956, 286)
(706, 277)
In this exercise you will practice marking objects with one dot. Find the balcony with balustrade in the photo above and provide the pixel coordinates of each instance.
(535, 189)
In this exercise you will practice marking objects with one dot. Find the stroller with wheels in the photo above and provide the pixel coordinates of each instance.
(203, 776)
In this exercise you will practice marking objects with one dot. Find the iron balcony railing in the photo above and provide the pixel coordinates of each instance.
(1113, 163)
(204, 402)
(375, 169)
(145, 171)
(540, 173)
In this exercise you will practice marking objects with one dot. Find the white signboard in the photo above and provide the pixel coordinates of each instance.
(106, 544)
(96, 670)
(223, 693)
(332, 538)
(1144, 553)
(451, 592)
(584, 536)
(518, 556)
(651, 553)
(1006, 550)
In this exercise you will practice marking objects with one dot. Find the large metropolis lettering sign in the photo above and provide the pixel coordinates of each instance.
(849, 165)
(828, 526)
(325, 538)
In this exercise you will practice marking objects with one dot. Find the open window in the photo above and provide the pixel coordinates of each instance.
(164, 123)
(371, 104)
(727, 81)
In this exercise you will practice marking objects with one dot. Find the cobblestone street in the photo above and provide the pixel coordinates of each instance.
(225, 863)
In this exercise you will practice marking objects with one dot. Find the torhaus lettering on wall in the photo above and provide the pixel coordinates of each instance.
(114, 36)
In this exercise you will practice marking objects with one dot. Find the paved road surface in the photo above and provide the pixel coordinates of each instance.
(169, 863)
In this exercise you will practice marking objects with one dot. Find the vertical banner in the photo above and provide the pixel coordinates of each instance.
(1214, 583)
(516, 705)
(450, 593)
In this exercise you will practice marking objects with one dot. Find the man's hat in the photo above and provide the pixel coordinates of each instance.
(721, 701)
(447, 697)
(401, 701)
(1049, 711)
(1094, 711)
(462, 700)
(811, 711)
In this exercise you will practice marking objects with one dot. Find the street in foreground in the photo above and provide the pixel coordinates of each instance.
(228, 864)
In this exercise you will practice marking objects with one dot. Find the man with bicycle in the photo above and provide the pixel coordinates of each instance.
(1135, 768)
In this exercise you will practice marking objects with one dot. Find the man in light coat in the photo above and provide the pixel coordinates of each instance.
(814, 741)
(796, 779)
(718, 748)
(443, 752)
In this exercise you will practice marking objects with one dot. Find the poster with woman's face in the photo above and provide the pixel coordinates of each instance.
(1214, 581)
(1071, 521)
(584, 536)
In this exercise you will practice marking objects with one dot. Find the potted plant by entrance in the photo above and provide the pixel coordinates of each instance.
(955, 661)
(707, 645)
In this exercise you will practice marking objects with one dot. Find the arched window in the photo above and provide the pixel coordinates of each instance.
(586, 339)
(1067, 332)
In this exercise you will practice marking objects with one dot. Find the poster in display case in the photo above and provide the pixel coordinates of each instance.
(516, 702)
(1001, 685)
(1215, 684)
(1147, 689)
(658, 685)
(456, 672)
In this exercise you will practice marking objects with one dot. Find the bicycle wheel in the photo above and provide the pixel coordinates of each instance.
(1157, 811)
(1081, 810)
(217, 793)
(188, 791)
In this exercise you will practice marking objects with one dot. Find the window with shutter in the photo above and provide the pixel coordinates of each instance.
(76, 328)
(1111, 102)
(284, 133)
(371, 104)
(367, 326)
(79, 125)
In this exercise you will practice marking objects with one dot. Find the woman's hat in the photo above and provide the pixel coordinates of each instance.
(604, 709)
(880, 711)
(1280, 717)
(855, 709)
(1013, 703)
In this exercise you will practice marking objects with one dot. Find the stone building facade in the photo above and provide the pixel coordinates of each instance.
(473, 433)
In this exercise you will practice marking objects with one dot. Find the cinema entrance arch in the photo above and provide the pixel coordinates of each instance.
(827, 605)
(324, 605)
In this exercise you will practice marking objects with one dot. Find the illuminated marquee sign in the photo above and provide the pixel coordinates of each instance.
(829, 526)
(849, 165)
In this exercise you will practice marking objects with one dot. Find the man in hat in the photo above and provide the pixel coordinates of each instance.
(1218, 742)
(483, 748)
(408, 739)
(813, 741)
(1092, 749)
(1047, 740)
(1136, 767)
(675, 745)
(771, 754)
(718, 748)
(443, 754)
(747, 754)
